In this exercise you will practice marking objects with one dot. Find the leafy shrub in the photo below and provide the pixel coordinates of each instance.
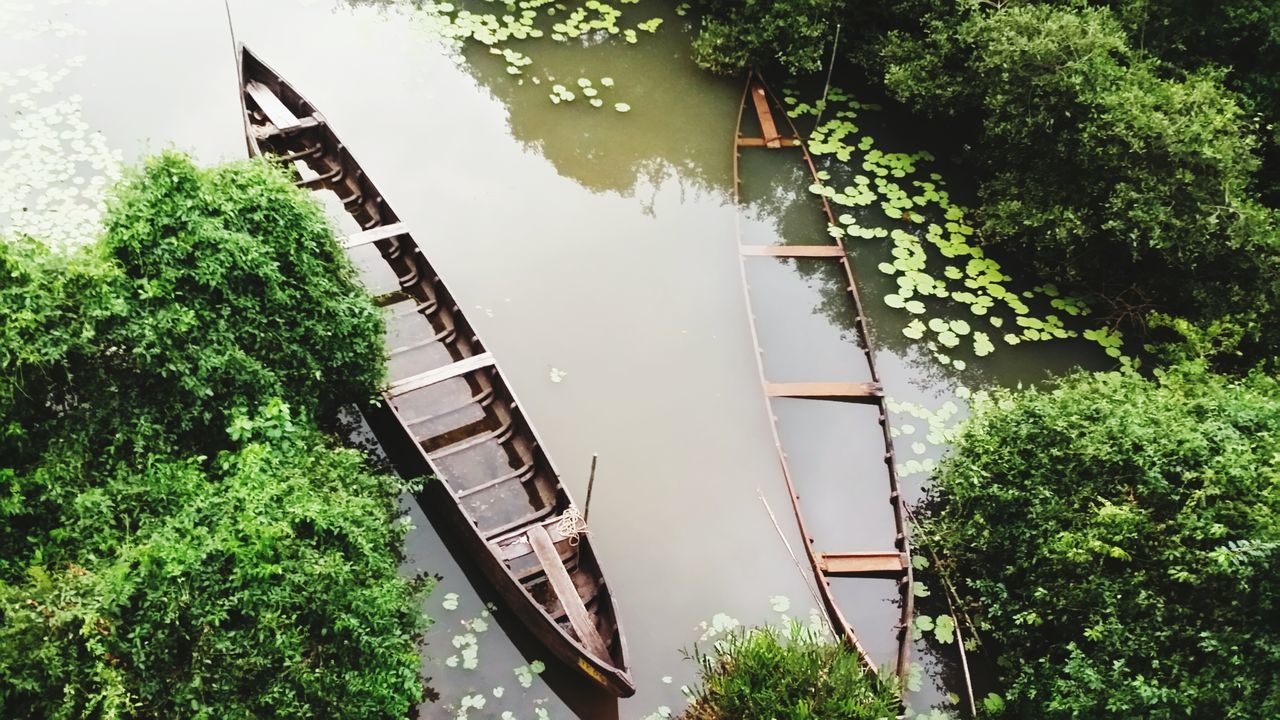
(177, 539)
(270, 589)
(1118, 538)
(1096, 166)
(210, 290)
(762, 673)
(736, 35)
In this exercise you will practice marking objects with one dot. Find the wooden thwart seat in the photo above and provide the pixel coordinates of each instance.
(583, 624)
(863, 564)
(374, 234)
(792, 250)
(276, 112)
(762, 142)
(855, 392)
(431, 377)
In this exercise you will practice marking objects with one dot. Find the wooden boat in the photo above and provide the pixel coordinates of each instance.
(893, 561)
(449, 412)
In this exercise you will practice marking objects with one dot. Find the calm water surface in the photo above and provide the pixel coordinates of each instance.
(595, 253)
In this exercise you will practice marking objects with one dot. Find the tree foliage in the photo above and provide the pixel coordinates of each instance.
(755, 33)
(1117, 145)
(178, 538)
(797, 675)
(1095, 165)
(1118, 538)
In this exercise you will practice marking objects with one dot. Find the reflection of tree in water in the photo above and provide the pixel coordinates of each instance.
(681, 119)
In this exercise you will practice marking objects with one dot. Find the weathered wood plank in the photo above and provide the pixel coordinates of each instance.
(431, 377)
(857, 392)
(863, 564)
(761, 142)
(792, 250)
(382, 232)
(583, 624)
(275, 110)
(767, 127)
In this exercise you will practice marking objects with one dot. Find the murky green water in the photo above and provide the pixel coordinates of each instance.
(595, 252)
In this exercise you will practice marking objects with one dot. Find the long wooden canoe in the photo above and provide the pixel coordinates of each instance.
(893, 559)
(449, 412)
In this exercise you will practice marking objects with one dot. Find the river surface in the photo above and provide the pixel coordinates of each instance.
(595, 251)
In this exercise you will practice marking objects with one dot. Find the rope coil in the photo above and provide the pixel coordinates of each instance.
(572, 525)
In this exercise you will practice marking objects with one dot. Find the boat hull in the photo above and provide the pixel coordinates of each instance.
(493, 489)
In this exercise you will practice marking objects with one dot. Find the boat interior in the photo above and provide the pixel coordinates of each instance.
(444, 386)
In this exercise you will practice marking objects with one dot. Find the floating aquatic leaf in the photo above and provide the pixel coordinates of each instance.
(914, 329)
(450, 601)
(922, 625)
(622, 107)
(537, 667)
(780, 603)
(606, 81)
(944, 629)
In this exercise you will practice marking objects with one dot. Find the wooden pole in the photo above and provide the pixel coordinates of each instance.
(591, 482)
(803, 574)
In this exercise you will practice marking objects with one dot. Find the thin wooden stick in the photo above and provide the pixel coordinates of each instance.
(831, 68)
(803, 573)
(947, 592)
(591, 483)
(235, 48)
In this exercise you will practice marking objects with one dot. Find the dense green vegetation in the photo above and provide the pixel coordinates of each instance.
(1118, 146)
(177, 536)
(1118, 539)
(797, 675)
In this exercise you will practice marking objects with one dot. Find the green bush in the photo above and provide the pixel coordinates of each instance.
(736, 35)
(1118, 538)
(177, 538)
(269, 588)
(762, 673)
(1096, 167)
